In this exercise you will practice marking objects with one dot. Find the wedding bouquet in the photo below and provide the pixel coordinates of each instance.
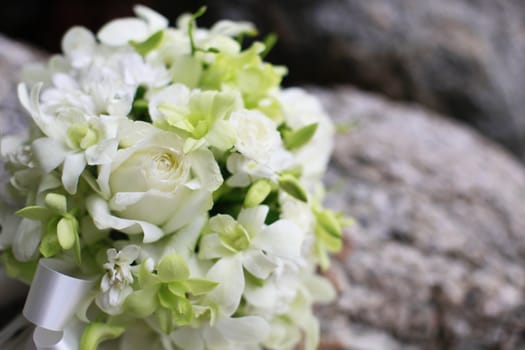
(169, 192)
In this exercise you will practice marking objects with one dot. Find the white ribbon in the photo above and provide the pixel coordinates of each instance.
(53, 299)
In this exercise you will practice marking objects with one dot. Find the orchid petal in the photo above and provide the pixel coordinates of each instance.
(48, 153)
(244, 330)
(283, 239)
(154, 20)
(258, 264)
(120, 31)
(227, 295)
(102, 152)
(253, 218)
(188, 338)
(74, 165)
(26, 240)
(211, 247)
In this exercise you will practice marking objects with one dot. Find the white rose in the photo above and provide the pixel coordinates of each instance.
(257, 135)
(152, 187)
(261, 151)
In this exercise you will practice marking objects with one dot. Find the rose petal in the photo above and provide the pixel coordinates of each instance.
(99, 211)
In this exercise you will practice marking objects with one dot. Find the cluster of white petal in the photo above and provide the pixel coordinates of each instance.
(169, 162)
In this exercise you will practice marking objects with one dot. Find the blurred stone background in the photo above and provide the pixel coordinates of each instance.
(433, 171)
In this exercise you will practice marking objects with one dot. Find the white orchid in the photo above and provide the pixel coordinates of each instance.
(115, 284)
(250, 244)
(72, 139)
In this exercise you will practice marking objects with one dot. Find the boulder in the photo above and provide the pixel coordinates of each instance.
(435, 260)
(462, 58)
(13, 56)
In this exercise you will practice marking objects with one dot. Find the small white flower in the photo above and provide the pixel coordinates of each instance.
(115, 284)
(261, 151)
(257, 135)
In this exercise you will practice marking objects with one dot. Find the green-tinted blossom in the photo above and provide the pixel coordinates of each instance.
(245, 72)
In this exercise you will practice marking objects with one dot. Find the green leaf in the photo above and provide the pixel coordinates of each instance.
(257, 193)
(200, 286)
(56, 202)
(295, 171)
(329, 223)
(269, 42)
(332, 244)
(142, 303)
(49, 245)
(298, 138)
(95, 333)
(23, 271)
(67, 232)
(291, 185)
(173, 267)
(35, 212)
(143, 48)
(191, 26)
(78, 251)
(140, 104)
(322, 255)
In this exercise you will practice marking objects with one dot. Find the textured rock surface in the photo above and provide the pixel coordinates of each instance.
(437, 258)
(12, 57)
(460, 57)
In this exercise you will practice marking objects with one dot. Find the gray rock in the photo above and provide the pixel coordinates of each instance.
(462, 58)
(436, 259)
(13, 56)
